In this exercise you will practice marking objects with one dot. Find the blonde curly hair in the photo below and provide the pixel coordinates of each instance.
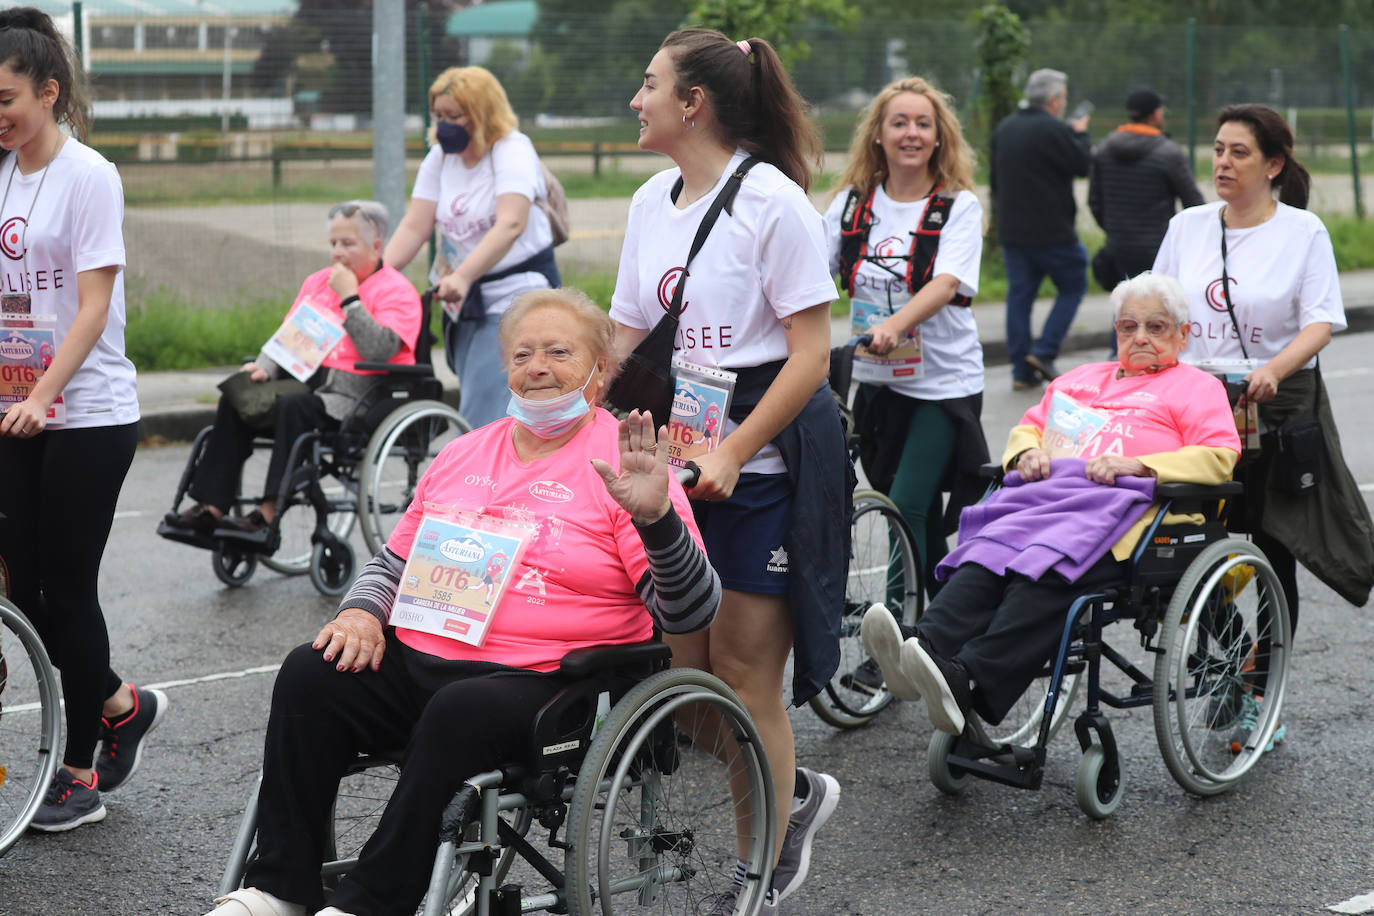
(951, 163)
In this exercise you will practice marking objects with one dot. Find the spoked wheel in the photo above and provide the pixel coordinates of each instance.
(30, 721)
(397, 455)
(331, 568)
(297, 524)
(949, 780)
(883, 569)
(654, 825)
(233, 565)
(1098, 786)
(1021, 725)
(1219, 683)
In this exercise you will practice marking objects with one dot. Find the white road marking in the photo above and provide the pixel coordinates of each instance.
(1367, 488)
(130, 513)
(1361, 904)
(1346, 373)
(184, 682)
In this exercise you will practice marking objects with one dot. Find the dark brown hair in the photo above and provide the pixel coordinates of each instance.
(31, 46)
(755, 104)
(1275, 141)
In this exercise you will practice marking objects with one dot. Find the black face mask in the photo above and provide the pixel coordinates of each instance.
(453, 138)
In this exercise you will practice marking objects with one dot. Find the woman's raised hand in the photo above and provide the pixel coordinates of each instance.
(641, 487)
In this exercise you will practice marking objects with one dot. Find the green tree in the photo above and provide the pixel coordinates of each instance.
(1000, 50)
(779, 21)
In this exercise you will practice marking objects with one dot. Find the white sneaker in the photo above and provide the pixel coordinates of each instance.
(249, 901)
(882, 639)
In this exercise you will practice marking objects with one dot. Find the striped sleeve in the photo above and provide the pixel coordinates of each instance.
(375, 588)
(681, 589)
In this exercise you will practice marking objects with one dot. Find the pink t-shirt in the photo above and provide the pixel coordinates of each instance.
(575, 583)
(387, 295)
(1147, 414)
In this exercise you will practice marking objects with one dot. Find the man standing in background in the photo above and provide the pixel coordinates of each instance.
(1035, 157)
(1137, 173)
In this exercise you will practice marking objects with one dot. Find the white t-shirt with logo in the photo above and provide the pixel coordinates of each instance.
(1282, 278)
(465, 209)
(950, 350)
(76, 225)
(760, 264)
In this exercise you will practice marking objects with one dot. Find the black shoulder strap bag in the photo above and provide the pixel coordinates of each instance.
(1298, 442)
(645, 378)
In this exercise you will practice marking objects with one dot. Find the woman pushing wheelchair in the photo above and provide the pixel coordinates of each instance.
(1083, 464)
(596, 530)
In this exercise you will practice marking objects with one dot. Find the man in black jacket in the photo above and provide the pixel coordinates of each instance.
(1035, 157)
(1136, 174)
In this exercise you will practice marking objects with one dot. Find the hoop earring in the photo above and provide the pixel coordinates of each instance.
(687, 125)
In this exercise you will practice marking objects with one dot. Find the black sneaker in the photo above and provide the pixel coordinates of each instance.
(68, 804)
(866, 678)
(121, 741)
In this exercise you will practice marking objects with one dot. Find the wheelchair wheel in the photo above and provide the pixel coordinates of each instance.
(883, 568)
(949, 780)
(1219, 682)
(233, 565)
(296, 525)
(653, 823)
(30, 723)
(397, 455)
(1097, 787)
(331, 568)
(1021, 725)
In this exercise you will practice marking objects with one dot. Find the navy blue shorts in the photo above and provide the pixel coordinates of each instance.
(744, 534)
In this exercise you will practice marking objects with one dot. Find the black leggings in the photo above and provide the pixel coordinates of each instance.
(59, 499)
(453, 719)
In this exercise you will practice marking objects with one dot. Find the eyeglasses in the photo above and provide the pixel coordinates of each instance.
(1155, 327)
(555, 353)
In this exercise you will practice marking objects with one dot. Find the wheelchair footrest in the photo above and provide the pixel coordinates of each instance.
(265, 543)
(1018, 767)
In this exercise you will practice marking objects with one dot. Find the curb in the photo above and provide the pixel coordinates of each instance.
(181, 424)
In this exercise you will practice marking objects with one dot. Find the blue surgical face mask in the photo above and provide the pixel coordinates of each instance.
(453, 138)
(551, 418)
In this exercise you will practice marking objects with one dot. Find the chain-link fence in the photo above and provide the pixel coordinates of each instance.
(267, 113)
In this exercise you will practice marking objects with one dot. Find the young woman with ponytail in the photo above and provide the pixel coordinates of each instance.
(1261, 281)
(63, 256)
(772, 501)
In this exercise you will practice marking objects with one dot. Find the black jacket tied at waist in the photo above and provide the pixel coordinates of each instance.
(474, 304)
(817, 542)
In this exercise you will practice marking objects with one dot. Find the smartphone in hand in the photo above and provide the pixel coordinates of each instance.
(1083, 109)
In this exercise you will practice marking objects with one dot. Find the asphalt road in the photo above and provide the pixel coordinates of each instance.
(1294, 838)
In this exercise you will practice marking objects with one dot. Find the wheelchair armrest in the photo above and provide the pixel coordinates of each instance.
(589, 661)
(423, 369)
(991, 471)
(1203, 491)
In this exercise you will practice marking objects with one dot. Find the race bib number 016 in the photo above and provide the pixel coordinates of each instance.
(304, 340)
(459, 566)
(901, 362)
(27, 348)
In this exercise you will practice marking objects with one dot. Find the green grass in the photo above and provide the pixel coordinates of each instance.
(168, 334)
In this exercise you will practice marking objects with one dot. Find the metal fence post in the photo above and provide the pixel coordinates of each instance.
(1190, 66)
(1350, 119)
(422, 43)
(78, 38)
(389, 106)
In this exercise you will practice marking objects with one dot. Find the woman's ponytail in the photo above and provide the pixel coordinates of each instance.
(755, 103)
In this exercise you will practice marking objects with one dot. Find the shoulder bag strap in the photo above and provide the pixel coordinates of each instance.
(724, 201)
(1226, 286)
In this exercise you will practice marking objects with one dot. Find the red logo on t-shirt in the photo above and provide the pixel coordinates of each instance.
(888, 250)
(667, 286)
(460, 202)
(1216, 298)
(12, 237)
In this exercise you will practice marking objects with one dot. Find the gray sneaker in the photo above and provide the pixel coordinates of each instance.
(68, 804)
(121, 740)
(823, 794)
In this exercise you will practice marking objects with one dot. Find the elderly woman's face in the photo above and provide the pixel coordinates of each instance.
(1147, 335)
(550, 354)
(351, 246)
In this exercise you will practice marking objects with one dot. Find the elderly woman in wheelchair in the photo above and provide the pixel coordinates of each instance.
(1084, 464)
(428, 655)
(381, 317)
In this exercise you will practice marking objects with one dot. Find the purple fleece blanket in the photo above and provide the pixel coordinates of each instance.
(1064, 523)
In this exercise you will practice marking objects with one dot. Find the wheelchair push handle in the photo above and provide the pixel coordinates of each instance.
(688, 475)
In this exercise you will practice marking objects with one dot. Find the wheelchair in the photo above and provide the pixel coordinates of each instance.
(646, 815)
(884, 568)
(30, 719)
(1208, 608)
(364, 472)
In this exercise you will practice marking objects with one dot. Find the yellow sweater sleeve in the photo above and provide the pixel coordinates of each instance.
(1191, 464)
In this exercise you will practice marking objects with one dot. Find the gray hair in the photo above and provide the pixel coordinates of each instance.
(1161, 287)
(369, 214)
(597, 325)
(1043, 85)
